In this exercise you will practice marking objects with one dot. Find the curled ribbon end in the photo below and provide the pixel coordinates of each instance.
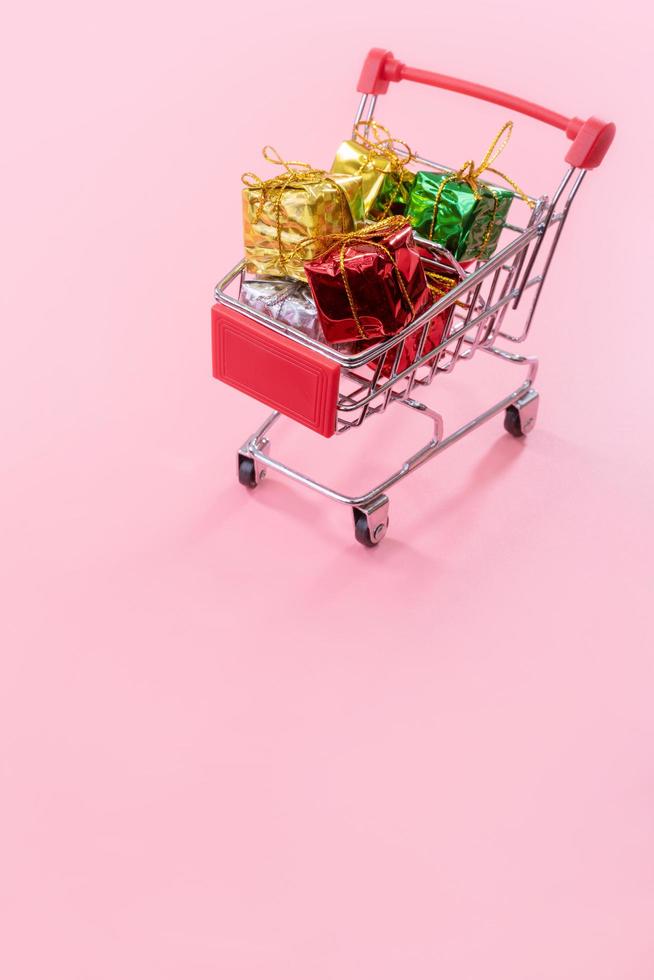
(270, 154)
(471, 173)
(250, 179)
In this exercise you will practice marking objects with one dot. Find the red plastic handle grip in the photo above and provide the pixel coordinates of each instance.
(591, 138)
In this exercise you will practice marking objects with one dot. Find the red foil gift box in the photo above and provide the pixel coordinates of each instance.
(442, 275)
(368, 283)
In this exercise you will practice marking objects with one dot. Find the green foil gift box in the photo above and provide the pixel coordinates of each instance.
(383, 170)
(460, 211)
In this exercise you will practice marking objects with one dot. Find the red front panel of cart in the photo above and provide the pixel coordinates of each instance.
(275, 370)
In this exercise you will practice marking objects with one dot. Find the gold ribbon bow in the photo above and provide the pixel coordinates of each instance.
(470, 174)
(384, 145)
(272, 190)
(368, 235)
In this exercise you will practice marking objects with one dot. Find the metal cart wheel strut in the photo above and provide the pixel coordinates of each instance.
(370, 510)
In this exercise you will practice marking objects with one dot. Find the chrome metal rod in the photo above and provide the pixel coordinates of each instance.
(419, 458)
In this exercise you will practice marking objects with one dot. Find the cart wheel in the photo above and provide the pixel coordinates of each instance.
(371, 522)
(247, 474)
(520, 418)
(512, 421)
(362, 533)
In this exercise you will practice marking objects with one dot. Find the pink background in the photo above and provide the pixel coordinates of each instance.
(232, 742)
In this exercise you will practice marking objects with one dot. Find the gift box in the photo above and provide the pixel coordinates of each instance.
(285, 300)
(386, 181)
(289, 302)
(460, 211)
(441, 278)
(466, 219)
(285, 217)
(369, 283)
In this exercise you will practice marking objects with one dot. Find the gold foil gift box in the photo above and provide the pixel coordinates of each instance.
(286, 216)
(381, 161)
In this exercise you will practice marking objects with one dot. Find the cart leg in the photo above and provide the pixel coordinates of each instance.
(520, 418)
(371, 521)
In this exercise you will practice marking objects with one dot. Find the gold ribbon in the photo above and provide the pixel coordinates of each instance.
(368, 235)
(384, 146)
(272, 190)
(434, 281)
(470, 174)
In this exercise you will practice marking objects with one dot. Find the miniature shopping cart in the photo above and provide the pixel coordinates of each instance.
(331, 391)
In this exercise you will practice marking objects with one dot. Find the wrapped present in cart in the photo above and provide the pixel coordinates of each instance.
(391, 309)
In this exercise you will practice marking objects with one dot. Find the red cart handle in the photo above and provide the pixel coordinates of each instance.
(590, 139)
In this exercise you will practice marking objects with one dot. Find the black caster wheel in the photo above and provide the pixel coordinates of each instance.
(247, 475)
(520, 418)
(362, 533)
(512, 421)
(366, 536)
